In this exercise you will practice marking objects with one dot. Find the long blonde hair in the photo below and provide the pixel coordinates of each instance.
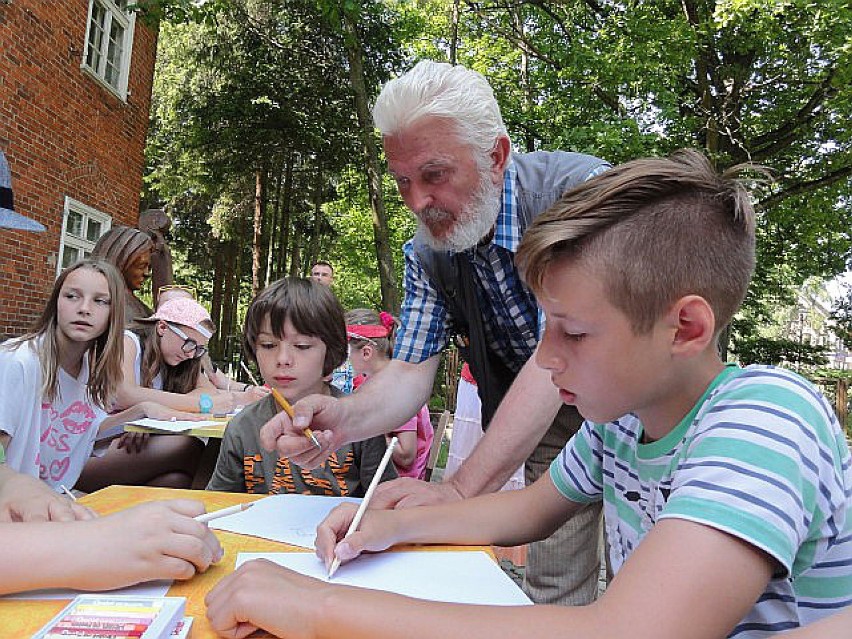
(106, 351)
(182, 378)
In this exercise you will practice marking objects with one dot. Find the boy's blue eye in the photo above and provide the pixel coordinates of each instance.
(103, 301)
(574, 337)
(266, 345)
(303, 347)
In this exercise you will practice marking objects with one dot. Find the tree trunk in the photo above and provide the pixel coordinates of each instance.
(387, 277)
(274, 231)
(219, 275)
(314, 252)
(296, 251)
(286, 208)
(231, 279)
(454, 32)
(257, 236)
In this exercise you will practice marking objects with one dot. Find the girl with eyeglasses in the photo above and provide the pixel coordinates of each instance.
(162, 363)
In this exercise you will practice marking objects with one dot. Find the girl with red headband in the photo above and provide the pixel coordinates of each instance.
(370, 348)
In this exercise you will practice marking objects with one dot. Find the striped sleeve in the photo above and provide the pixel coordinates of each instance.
(765, 466)
(577, 470)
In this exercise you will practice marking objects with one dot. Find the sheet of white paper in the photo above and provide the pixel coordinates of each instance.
(174, 426)
(470, 577)
(292, 519)
(148, 589)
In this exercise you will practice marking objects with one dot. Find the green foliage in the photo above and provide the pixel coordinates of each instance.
(251, 83)
(841, 317)
(779, 352)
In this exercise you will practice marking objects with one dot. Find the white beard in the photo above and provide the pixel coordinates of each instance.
(475, 221)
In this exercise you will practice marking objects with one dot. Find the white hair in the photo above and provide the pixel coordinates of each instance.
(440, 90)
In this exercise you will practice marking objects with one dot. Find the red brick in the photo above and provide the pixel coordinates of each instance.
(64, 135)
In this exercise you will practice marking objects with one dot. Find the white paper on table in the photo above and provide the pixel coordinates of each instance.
(177, 426)
(291, 519)
(157, 588)
(470, 577)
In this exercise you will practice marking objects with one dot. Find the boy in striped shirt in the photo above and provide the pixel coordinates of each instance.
(726, 490)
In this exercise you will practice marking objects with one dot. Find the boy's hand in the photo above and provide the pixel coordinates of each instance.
(261, 594)
(319, 412)
(407, 492)
(157, 540)
(25, 498)
(374, 534)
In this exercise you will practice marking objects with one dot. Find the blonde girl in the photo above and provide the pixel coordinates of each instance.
(55, 379)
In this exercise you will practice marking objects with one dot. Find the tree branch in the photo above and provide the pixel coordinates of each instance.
(806, 186)
(769, 143)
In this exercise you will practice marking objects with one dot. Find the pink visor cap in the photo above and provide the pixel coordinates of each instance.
(183, 311)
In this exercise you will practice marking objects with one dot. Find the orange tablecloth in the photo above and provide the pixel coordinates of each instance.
(21, 619)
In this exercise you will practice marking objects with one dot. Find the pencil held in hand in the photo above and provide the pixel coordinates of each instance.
(285, 406)
(223, 512)
(356, 520)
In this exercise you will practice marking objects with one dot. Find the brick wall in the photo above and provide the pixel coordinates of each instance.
(64, 134)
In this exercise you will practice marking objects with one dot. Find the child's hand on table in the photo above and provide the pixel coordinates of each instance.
(157, 540)
(261, 594)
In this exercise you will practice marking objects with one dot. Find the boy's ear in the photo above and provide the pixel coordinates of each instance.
(694, 325)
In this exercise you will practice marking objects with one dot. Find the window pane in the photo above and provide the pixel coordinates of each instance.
(69, 256)
(93, 230)
(113, 67)
(96, 35)
(75, 224)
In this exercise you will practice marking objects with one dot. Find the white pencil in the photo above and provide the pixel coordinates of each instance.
(248, 372)
(365, 502)
(67, 492)
(223, 512)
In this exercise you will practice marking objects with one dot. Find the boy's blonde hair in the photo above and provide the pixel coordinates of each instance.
(311, 307)
(106, 352)
(656, 229)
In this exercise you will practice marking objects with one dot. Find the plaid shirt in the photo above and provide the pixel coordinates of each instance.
(512, 320)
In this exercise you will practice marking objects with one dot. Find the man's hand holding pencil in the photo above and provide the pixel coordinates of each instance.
(317, 414)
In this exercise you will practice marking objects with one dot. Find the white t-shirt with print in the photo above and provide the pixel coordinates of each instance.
(48, 440)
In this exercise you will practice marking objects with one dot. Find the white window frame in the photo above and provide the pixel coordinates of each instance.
(128, 21)
(72, 205)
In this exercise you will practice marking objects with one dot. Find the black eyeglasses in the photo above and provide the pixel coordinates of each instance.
(189, 345)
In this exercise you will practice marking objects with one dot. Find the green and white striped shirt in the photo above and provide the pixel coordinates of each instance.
(762, 457)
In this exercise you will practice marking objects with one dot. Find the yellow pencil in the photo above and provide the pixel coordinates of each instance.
(285, 405)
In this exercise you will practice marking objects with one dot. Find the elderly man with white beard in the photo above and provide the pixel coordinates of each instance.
(449, 152)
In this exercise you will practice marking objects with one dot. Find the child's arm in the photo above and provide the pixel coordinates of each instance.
(130, 393)
(536, 512)
(684, 580)
(405, 452)
(159, 540)
(837, 626)
(25, 498)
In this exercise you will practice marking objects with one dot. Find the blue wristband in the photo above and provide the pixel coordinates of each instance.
(205, 403)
